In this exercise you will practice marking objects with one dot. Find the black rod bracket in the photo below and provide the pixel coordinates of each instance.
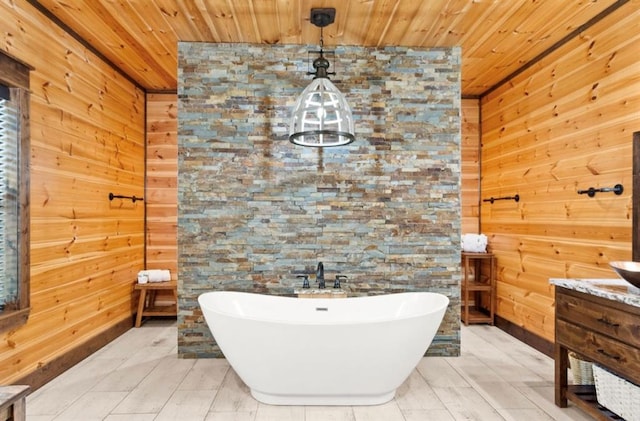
(119, 196)
(591, 191)
(515, 198)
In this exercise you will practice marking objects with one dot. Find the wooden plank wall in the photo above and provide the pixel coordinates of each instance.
(470, 156)
(563, 125)
(162, 182)
(87, 139)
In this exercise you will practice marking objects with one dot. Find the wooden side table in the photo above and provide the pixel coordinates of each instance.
(13, 405)
(147, 300)
(475, 284)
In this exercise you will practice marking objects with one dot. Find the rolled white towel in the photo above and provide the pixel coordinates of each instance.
(156, 275)
(159, 275)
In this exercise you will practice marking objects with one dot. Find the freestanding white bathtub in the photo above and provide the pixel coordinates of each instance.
(317, 351)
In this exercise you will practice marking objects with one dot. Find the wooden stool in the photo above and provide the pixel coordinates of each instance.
(147, 302)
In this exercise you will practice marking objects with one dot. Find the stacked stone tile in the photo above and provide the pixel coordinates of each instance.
(255, 210)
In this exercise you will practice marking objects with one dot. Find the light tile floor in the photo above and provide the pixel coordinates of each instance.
(138, 377)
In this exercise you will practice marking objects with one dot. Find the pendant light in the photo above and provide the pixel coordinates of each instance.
(321, 116)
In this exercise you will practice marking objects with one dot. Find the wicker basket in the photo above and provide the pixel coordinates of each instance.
(581, 370)
(616, 394)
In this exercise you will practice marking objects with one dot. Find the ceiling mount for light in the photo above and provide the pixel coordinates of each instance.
(321, 116)
(323, 17)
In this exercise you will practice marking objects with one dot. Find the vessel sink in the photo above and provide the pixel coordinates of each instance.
(629, 271)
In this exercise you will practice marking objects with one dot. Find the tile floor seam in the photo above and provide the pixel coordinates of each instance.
(432, 387)
(541, 409)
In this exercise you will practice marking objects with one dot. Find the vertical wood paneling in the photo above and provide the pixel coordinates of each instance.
(470, 157)
(87, 139)
(162, 182)
(563, 125)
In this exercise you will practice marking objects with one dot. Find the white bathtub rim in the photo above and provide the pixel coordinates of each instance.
(443, 302)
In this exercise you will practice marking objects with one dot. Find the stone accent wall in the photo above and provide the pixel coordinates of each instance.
(255, 210)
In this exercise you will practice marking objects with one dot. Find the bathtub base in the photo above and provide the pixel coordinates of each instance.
(323, 400)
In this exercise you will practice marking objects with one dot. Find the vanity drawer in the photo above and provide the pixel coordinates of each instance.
(605, 351)
(618, 324)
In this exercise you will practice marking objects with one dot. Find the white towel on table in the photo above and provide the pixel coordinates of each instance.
(156, 275)
(476, 243)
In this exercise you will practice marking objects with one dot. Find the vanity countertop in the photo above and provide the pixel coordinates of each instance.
(613, 289)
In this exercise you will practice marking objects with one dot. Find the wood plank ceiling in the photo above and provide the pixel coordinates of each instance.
(497, 37)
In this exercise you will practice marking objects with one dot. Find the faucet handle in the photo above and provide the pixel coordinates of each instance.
(305, 282)
(336, 284)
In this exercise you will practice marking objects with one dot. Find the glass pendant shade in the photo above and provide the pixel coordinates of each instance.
(321, 117)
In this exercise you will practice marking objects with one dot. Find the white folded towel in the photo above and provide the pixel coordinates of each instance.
(156, 275)
(476, 243)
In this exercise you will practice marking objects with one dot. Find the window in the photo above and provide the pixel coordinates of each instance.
(14, 192)
(8, 201)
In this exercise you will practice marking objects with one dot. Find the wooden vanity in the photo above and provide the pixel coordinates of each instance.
(599, 320)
